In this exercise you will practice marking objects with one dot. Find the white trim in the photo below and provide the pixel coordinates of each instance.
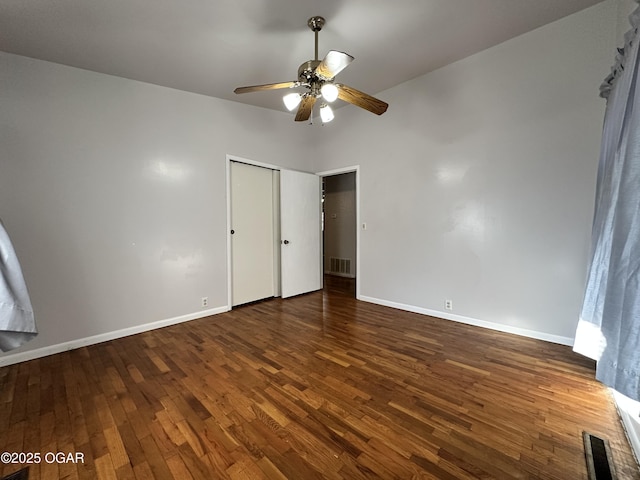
(235, 158)
(104, 337)
(629, 411)
(277, 253)
(631, 428)
(228, 194)
(339, 171)
(472, 321)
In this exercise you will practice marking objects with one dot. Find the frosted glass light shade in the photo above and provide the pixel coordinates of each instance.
(329, 92)
(326, 114)
(291, 100)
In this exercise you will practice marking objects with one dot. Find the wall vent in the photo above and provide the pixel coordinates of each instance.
(340, 266)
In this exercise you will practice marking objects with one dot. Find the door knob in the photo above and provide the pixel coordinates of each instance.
(232, 232)
(286, 242)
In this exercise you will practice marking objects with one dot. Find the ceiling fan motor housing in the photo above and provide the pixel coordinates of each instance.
(306, 71)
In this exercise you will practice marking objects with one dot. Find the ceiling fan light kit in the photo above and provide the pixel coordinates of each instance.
(292, 100)
(326, 113)
(329, 92)
(318, 77)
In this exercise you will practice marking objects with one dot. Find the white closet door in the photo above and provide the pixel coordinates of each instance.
(300, 233)
(252, 242)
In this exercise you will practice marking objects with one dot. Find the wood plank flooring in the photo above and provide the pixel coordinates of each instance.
(316, 387)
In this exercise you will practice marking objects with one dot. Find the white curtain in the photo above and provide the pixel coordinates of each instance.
(609, 326)
(17, 324)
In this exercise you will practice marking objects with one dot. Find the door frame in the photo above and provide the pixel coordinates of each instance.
(327, 173)
(339, 171)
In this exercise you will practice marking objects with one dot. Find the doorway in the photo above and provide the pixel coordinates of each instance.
(274, 240)
(340, 231)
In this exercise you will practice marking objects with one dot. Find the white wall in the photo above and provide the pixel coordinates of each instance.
(113, 192)
(478, 183)
(477, 186)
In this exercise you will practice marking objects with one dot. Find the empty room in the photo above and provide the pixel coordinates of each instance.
(319, 240)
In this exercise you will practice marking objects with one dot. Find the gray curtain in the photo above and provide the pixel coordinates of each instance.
(609, 326)
(17, 324)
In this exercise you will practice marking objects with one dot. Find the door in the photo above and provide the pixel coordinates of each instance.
(301, 270)
(252, 233)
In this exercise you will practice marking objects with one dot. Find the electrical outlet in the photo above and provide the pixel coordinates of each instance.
(448, 304)
(205, 301)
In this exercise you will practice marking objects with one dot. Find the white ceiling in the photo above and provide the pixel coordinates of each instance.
(212, 46)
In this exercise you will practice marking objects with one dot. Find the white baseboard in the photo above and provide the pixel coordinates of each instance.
(103, 337)
(629, 412)
(11, 359)
(473, 321)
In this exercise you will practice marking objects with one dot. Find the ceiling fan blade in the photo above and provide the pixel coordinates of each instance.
(267, 86)
(361, 99)
(304, 110)
(332, 64)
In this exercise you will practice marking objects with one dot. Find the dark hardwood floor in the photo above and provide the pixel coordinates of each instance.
(318, 386)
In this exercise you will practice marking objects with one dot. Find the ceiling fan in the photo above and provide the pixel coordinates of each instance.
(318, 77)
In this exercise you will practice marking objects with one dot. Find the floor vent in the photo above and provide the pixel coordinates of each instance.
(340, 265)
(19, 475)
(599, 459)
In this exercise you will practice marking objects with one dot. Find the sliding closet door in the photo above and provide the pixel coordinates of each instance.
(252, 239)
(300, 233)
